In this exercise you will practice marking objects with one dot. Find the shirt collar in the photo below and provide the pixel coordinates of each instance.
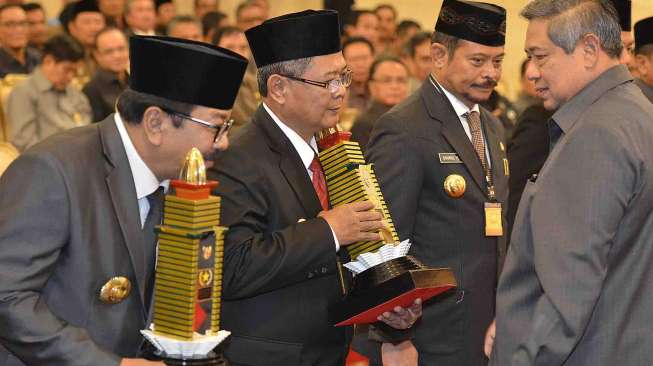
(144, 179)
(458, 106)
(306, 151)
(42, 83)
(569, 112)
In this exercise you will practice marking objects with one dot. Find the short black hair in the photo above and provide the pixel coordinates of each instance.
(63, 48)
(386, 6)
(405, 25)
(212, 20)
(416, 40)
(32, 6)
(182, 19)
(223, 32)
(353, 40)
(383, 59)
(353, 17)
(108, 29)
(132, 105)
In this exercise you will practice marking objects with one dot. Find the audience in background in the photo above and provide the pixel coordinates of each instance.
(46, 103)
(421, 64)
(387, 16)
(527, 95)
(405, 30)
(250, 13)
(83, 24)
(211, 22)
(204, 6)
(248, 98)
(359, 54)
(112, 56)
(113, 11)
(15, 55)
(165, 11)
(37, 29)
(644, 56)
(186, 27)
(140, 17)
(363, 23)
(388, 86)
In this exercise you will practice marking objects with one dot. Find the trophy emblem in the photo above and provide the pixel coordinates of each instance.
(384, 276)
(186, 312)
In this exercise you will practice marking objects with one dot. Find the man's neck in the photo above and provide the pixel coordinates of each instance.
(443, 83)
(305, 133)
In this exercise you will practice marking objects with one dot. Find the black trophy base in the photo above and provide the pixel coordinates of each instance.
(397, 282)
(213, 358)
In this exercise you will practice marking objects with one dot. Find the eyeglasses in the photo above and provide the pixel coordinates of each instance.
(220, 130)
(332, 85)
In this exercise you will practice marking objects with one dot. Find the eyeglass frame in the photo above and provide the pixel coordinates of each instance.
(326, 84)
(220, 131)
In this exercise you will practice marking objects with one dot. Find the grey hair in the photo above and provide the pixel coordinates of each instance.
(294, 68)
(450, 42)
(571, 20)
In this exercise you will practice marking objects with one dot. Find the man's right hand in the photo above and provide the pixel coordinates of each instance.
(139, 362)
(354, 222)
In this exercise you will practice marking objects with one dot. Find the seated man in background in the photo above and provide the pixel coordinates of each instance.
(83, 25)
(15, 56)
(250, 14)
(248, 99)
(359, 55)
(46, 103)
(363, 23)
(165, 12)
(388, 85)
(140, 17)
(37, 28)
(185, 27)
(112, 55)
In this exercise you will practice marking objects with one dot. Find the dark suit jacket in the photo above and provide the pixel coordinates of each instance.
(360, 131)
(445, 231)
(279, 271)
(70, 222)
(527, 151)
(102, 92)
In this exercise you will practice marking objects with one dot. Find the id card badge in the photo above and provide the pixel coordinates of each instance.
(493, 222)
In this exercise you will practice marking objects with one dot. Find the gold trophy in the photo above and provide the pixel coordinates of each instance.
(384, 275)
(186, 320)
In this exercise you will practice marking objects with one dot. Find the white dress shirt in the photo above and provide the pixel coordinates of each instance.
(461, 110)
(306, 151)
(145, 181)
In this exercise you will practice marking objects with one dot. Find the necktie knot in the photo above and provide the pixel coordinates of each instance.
(315, 166)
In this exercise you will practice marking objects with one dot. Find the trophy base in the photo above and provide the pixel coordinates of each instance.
(397, 282)
(213, 358)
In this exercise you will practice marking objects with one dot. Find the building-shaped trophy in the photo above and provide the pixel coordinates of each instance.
(384, 276)
(186, 316)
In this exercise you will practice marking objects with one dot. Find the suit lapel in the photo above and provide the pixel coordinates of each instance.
(492, 140)
(440, 109)
(290, 163)
(120, 184)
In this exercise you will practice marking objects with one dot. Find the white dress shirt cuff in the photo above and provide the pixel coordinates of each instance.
(335, 239)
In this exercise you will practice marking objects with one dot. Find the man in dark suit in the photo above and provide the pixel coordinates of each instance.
(281, 268)
(444, 174)
(577, 282)
(644, 56)
(79, 208)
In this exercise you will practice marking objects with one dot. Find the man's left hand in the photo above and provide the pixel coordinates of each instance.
(403, 318)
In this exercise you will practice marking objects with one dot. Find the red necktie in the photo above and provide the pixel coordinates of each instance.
(319, 182)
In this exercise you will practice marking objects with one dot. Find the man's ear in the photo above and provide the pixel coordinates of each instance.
(440, 55)
(590, 48)
(153, 124)
(278, 88)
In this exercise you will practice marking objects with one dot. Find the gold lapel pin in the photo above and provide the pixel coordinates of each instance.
(455, 185)
(115, 290)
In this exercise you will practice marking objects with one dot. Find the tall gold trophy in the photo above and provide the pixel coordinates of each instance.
(384, 275)
(186, 318)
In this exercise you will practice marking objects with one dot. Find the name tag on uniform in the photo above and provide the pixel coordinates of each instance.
(449, 158)
(493, 222)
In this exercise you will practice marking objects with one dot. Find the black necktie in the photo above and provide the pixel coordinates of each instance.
(153, 218)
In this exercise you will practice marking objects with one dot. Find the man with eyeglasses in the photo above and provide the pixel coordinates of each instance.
(441, 164)
(78, 209)
(282, 252)
(16, 57)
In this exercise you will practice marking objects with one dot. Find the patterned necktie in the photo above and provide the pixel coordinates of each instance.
(319, 182)
(474, 121)
(153, 218)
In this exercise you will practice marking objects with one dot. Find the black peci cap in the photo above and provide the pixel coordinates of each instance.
(473, 21)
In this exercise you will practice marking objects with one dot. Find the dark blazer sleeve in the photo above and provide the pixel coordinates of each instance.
(398, 167)
(98, 106)
(262, 252)
(34, 222)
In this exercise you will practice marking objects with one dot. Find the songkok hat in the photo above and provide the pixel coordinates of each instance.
(473, 21)
(185, 71)
(293, 36)
(84, 6)
(623, 8)
(158, 3)
(643, 33)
